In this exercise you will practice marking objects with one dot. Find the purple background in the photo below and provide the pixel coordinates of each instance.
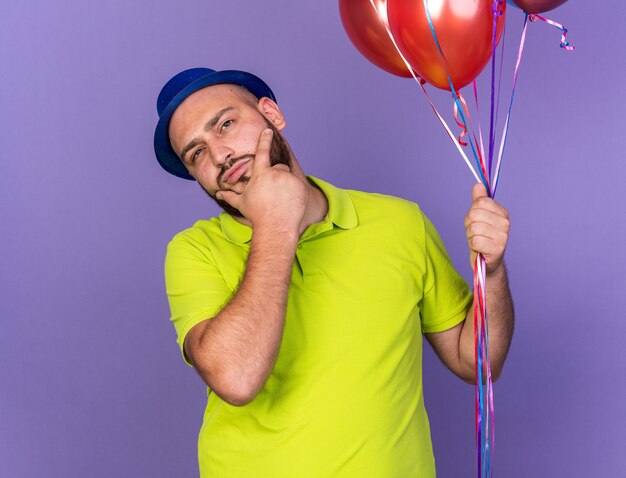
(91, 379)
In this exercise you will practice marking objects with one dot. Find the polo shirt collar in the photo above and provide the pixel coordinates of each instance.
(341, 213)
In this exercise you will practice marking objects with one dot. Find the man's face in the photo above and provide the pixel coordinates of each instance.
(215, 132)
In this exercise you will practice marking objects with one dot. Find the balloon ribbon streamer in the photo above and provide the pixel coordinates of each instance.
(564, 43)
(484, 385)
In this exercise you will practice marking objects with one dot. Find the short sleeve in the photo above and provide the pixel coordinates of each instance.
(447, 296)
(195, 288)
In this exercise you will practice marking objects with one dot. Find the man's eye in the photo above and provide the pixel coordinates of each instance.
(227, 123)
(196, 154)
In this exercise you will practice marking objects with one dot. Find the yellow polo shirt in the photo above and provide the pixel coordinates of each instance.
(344, 399)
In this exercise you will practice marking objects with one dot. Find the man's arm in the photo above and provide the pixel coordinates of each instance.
(234, 352)
(487, 227)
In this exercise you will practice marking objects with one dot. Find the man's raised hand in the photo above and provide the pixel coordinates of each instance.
(273, 197)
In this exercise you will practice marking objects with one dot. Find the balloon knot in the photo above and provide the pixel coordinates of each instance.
(532, 17)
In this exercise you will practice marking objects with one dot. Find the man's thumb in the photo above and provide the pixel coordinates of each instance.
(478, 191)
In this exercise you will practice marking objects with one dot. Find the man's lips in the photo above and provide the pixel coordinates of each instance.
(235, 171)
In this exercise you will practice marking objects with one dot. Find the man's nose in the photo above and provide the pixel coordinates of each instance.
(220, 154)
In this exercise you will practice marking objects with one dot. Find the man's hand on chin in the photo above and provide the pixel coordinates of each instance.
(273, 198)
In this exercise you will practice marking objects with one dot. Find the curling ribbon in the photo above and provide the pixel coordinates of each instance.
(564, 43)
(460, 122)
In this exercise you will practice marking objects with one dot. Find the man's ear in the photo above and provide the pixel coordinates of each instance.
(271, 111)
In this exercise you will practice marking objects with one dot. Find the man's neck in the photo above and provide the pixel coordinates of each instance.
(317, 207)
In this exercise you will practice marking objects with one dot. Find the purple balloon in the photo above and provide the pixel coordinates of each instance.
(538, 6)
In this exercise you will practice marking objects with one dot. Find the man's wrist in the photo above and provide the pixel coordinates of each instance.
(498, 274)
(279, 235)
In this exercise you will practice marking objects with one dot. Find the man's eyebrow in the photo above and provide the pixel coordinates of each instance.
(208, 126)
(213, 121)
(192, 144)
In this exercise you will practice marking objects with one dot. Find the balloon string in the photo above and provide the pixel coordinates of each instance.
(564, 43)
(480, 130)
(421, 82)
(496, 10)
(489, 408)
(484, 449)
(502, 46)
(505, 131)
(448, 131)
(455, 96)
(459, 121)
(484, 384)
(478, 374)
(478, 360)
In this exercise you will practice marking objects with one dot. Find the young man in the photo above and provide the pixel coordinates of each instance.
(302, 306)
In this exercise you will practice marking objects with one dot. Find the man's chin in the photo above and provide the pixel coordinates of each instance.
(223, 204)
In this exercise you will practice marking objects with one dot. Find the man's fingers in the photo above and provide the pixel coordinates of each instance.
(480, 199)
(485, 230)
(496, 219)
(489, 206)
(262, 155)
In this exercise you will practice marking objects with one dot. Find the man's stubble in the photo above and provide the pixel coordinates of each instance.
(280, 153)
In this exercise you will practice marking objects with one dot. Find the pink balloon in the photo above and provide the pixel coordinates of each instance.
(538, 6)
